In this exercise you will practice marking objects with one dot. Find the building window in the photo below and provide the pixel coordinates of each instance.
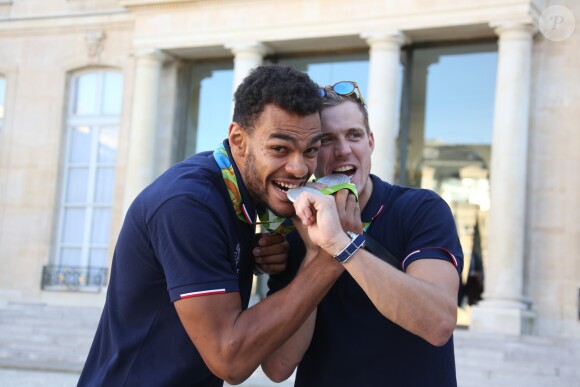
(210, 108)
(2, 100)
(88, 176)
(329, 69)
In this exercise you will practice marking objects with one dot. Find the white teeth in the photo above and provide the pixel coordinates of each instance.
(286, 185)
(344, 169)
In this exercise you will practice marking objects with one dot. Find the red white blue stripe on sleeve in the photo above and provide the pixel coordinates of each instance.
(429, 252)
(202, 293)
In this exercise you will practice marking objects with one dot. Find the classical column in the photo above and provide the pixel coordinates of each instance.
(247, 56)
(140, 165)
(504, 309)
(385, 51)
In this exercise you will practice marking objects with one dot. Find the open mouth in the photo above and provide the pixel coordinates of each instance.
(348, 170)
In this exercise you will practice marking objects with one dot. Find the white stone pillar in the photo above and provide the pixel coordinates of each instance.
(247, 55)
(385, 52)
(140, 165)
(504, 309)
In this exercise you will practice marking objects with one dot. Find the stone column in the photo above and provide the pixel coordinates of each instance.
(247, 56)
(504, 309)
(385, 51)
(140, 165)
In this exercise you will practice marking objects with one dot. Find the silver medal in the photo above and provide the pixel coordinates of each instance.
(334, 179)
(293, 193)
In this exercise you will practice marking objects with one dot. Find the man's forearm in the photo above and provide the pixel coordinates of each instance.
(280, 364)
(265, 327)
(422, 300)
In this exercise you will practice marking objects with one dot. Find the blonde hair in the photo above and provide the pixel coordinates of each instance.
(332, 98)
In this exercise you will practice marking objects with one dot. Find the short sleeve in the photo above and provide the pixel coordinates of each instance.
(191, 243)
(431, 231)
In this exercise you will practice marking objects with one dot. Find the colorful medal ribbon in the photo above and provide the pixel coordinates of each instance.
(221, 157)
(366, 225)
(275, 224)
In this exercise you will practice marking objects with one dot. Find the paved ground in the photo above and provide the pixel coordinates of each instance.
(28, 378)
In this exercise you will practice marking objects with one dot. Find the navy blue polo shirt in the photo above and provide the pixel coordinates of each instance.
(181, 238)
(353, 344)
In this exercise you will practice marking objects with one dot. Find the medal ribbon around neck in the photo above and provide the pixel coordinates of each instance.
(221, 157)
(366, 225)
(272, 223)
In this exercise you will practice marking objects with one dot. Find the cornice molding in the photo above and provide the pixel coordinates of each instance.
(60, 25)
(411, 22)
(134, 4)
(137, 3)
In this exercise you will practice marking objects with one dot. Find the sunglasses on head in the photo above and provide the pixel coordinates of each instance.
(345, 88)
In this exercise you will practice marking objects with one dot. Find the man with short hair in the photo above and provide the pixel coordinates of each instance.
(176, 309)
(379, 325)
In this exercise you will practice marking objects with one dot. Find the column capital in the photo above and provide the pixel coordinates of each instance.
(514, 29)
(249, 48)
(152, 54)
(386, 38)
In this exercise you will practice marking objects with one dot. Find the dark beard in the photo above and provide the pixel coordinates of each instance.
(252, 181)
(258, 193)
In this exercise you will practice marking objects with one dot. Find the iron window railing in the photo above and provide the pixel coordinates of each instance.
(74, 278)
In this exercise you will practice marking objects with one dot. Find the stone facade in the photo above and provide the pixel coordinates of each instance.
(532, 281)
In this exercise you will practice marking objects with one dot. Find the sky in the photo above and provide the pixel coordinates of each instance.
(460, 95)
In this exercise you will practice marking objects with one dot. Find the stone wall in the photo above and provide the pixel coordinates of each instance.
(37, 55)
(553, 223)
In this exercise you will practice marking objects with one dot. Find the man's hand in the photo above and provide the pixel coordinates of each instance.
(303, 232)
(348, 211)
(319, 213)
(270, 253)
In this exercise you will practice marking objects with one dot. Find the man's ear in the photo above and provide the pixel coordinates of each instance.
(371, 141)
(238, 139)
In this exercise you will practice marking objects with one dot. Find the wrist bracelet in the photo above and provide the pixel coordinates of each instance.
(357, 241)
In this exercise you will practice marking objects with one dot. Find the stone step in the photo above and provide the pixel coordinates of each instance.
(44, 359)
(23, 329)
(497, 360)
(517, 350)
(484, 340)
(56, 338)
(555, 355)
(52, 345)
(68, 321)
(538, 367)
(480, 378)
(49, 312)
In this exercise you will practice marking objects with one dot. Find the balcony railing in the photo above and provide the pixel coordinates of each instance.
(74, 278)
